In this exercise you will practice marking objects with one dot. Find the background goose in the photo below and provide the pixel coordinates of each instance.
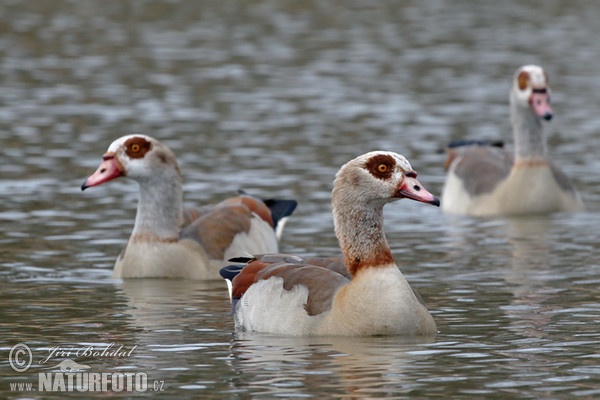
(286, 294)
(485, 180)
(168, 241)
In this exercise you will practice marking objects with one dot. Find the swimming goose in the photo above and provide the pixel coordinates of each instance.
(285, 294)
(169, 241)
(487, 180)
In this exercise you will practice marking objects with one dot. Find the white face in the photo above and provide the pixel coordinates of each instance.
(536, 77)
(138, 157)
(528, 78)
(142, 156)
(530, 90)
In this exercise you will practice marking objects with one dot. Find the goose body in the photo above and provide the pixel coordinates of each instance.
(287, 294)
(485, 180)
(169, 241)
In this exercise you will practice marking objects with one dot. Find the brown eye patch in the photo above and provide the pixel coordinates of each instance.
(523, 80)
(381, 166)
(137, 147)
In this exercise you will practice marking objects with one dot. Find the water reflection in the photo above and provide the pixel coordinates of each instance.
(529, 275)
(361, 367)
(174, 321)
(157, 304)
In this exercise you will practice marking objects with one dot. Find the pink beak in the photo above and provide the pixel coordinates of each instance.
(540, 102)
(412, 189)
(108, 170)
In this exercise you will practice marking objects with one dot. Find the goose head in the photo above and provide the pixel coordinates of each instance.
(138, 157)
(377, 178)
(531, 91)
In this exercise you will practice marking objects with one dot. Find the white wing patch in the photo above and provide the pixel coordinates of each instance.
(260, 239)
(268, 307)
(455, 198)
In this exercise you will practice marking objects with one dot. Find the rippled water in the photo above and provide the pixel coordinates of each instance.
(273, 97)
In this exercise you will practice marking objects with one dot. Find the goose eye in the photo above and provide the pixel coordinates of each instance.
(137, 147)
(381, 166)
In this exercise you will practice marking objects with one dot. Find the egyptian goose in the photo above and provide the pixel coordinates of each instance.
(170, 242)
(285, 294)
(487, 180)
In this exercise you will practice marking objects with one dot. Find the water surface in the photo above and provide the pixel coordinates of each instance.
(273, 97)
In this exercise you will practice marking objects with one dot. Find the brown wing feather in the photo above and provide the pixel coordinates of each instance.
(322, 283)
(253, 204)
(335, 264)
(215, 226)
(216, 229)
(191, 214)
(451, 155)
